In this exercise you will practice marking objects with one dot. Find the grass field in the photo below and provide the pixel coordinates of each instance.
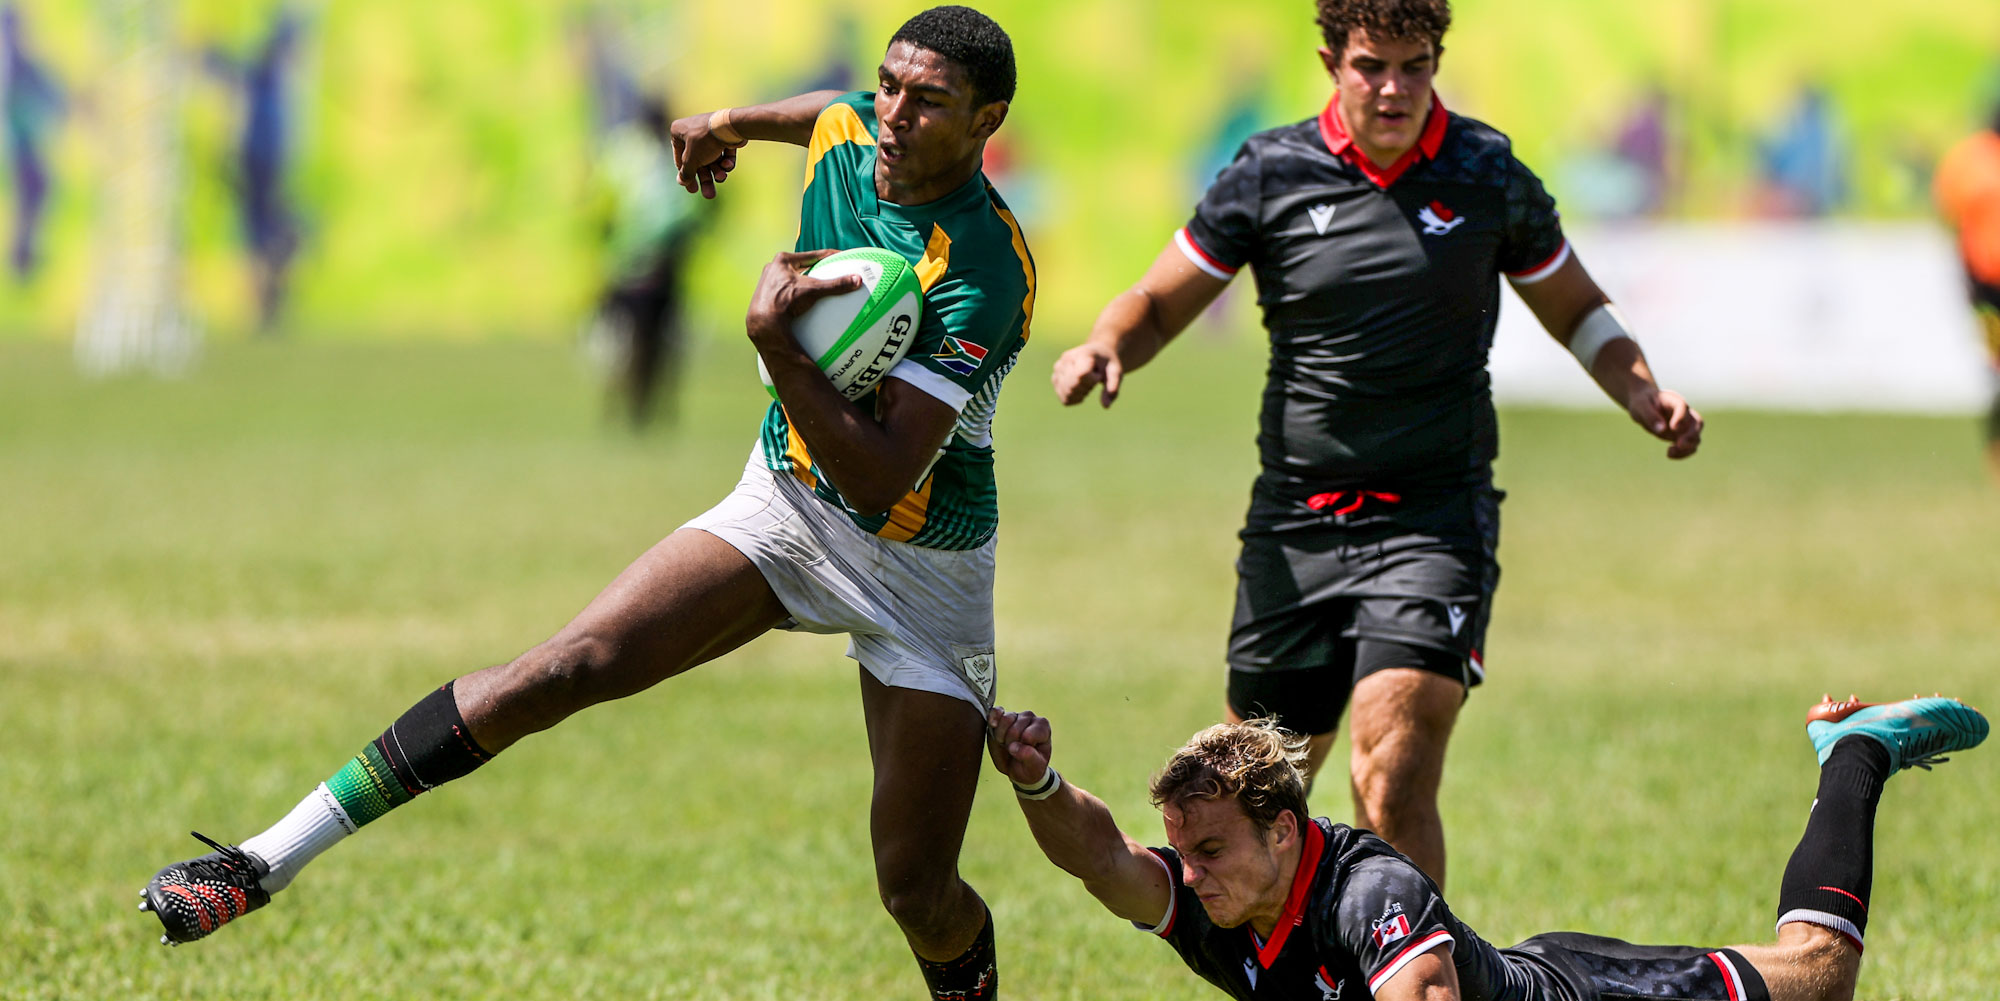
(213, 591)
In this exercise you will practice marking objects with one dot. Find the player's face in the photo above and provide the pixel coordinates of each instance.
(1384, 91)
(1234, 868)
(932, 133)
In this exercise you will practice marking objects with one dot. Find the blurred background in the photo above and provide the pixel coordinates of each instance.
(323, 324)
(1750, 177)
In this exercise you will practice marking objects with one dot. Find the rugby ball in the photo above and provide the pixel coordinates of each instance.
(858, 336)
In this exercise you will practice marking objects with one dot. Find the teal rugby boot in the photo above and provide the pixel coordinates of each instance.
(1917, 731)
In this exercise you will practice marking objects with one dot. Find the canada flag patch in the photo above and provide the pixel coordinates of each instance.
(958, 355)
(1390, 929)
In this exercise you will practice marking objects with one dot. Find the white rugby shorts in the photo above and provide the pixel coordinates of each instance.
(915, 618)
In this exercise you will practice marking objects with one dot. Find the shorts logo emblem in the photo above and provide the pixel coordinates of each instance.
(1457, 616)
(1437, 219)
(1321, 215)
(978, 669)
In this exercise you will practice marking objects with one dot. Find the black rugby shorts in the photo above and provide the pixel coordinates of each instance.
(1327, 594)
(1595, 968)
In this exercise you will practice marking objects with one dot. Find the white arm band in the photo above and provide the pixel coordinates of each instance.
(1602, 326)
(1042, 789)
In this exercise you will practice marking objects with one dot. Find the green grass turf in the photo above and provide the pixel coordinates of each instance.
(212, 591)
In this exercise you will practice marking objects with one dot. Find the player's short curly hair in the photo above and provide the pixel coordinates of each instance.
(1402, 20)
(1255, 762)
(971, 40)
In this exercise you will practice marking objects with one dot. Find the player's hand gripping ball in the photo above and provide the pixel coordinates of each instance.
(857, 337)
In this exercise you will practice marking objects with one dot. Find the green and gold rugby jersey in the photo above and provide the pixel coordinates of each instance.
(979, 296)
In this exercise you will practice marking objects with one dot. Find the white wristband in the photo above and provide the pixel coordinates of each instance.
(1051, 781)
(1602, 326)
(723, 130)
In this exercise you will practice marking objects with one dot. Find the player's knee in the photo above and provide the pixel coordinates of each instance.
(1390, 787)
(1822, 963)
(1815, 961)
(571, 669)
(923, 909)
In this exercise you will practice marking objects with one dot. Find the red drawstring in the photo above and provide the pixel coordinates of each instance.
(1320, 502)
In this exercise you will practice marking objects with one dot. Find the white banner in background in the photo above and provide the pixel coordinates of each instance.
(1793, 316)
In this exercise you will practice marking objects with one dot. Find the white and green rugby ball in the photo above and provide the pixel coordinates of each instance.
(858, 336)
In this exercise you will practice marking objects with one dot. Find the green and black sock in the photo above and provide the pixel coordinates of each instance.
(426, 747)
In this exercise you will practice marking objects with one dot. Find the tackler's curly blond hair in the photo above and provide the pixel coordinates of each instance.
(1256, 762)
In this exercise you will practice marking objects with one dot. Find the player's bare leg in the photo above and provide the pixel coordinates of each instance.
(689, 599)
(927, 750)
(1401, 720)
(1317, 746)
(1823, 900)
(1808, 963)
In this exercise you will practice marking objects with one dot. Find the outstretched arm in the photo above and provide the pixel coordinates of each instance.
(1074, 828)
(1579, 315)
(705, 145)
(1134, 326)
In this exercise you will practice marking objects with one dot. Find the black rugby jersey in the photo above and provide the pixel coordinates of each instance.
(1380, 290)
(1358, 913)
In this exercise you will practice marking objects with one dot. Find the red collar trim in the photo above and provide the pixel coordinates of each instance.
(1341, 144)
(1295, 904)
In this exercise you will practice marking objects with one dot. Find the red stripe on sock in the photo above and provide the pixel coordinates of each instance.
(1850, 896)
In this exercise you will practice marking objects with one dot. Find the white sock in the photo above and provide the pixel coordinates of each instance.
(313, 826)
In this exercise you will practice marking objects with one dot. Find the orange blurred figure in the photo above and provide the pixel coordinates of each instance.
(1967, 188)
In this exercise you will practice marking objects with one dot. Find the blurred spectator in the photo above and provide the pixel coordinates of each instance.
(1968, 195)
(1242, 117)
(1803, 166)
(1631, 177)
(649, 223)
(264, 156)
(1643, 143)
(837, 69)
(615, 96)
(32, 106)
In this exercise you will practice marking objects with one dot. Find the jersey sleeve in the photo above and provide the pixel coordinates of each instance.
(1532, 246)
(960, 339)
(1223, 233)
(1184, 911)
(1387, 915)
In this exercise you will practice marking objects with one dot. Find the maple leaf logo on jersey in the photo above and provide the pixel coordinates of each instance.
(1437, 219)
(960, 356)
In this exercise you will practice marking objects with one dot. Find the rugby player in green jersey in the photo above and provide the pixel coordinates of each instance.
(873, 518)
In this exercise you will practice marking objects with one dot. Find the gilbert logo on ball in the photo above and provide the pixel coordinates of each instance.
(858, 336)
